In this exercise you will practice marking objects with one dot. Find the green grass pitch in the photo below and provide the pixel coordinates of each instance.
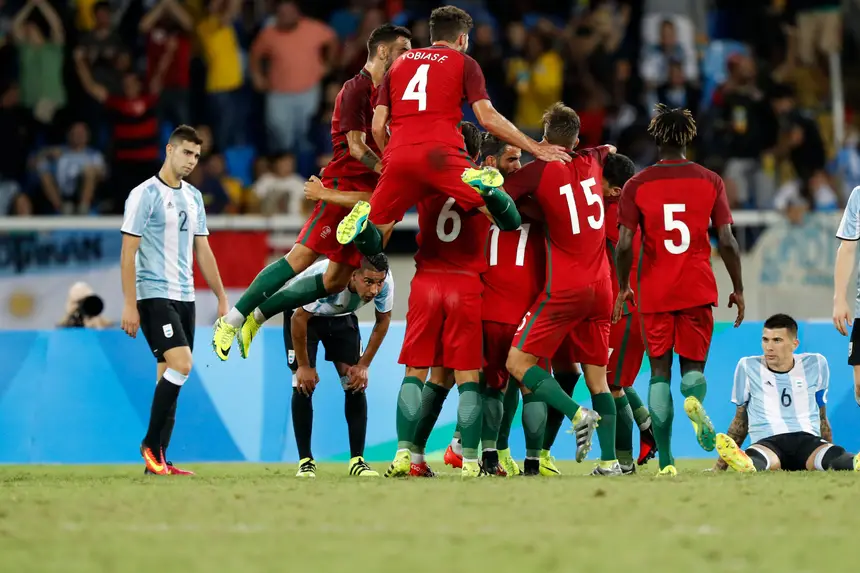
(258, 517)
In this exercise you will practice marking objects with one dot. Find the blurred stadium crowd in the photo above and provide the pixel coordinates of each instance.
(89, 89)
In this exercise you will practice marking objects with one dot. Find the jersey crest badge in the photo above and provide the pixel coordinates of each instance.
(168, 330)
(291, 357)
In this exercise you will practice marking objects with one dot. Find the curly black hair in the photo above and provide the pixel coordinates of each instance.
(672, 127)
(618, 169)
(472, 138)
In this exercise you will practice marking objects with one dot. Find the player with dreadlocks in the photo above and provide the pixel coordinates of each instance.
(672, 203)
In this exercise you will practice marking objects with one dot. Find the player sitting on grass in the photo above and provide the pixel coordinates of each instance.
(332, 321)
(781, 398)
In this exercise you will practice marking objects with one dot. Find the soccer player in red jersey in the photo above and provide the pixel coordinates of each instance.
(420, 103)
(351, 176)
(626, 347)
(443, 331)
(575, 307)
(673, 203)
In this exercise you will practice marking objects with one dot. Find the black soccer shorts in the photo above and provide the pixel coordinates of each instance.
(793, 448)
(166, 324)
(854, 344)
(339, 336)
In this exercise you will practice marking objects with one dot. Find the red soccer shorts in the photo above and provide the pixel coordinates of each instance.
(319, 232)
(626, 350)
(411, 173)
(443, 323)
(581, 316)
(688, 331)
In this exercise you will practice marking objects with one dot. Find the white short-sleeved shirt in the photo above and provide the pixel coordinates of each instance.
(347, 302)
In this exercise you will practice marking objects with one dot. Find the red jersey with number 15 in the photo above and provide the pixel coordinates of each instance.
(450, 239)
(353, 111)
(673, 203)
(425, 90)
(570, 197)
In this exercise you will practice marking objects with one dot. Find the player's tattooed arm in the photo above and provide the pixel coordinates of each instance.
(738, 430)
(826, 430)
(729, 252)
(359, 150)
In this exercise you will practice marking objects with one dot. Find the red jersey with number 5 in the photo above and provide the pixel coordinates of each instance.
(673, 203)
(516, 272)
(450, 239)
(425, 90)
(570, 197)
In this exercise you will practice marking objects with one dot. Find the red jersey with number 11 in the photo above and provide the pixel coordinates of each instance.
(570, 197)
(425, 90)
(673, 203)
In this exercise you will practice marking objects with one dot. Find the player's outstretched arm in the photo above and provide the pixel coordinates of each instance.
(729, 252)
(379, 125)
(501, 127)
(305, 375)
(130, 317)
(315, 191)
(359, 150)
(209, 268)
(845, 256)
(738, 430)
(623, 264)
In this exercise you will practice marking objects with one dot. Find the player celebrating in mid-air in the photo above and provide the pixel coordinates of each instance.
(672, 203)
(332, 321)
(164, 224)
(352, 174)
(575, 308)
(781, 402)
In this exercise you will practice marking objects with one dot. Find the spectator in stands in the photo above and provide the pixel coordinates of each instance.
(281, 190)
(819, 28)
(16, 125)
(40, 59)
(798, 196)
(220, 47)
(300, 52)
(168, 45)
(537, 79)
(210, 181)
(678, 92)
(846, 165)
(98, 51)
(799, 137)
(487, 51)
(656, 58)
(354, 53)
(70, 174)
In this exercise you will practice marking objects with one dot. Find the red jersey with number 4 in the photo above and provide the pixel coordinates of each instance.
(570, 197)
(516, 272)
(425, 90)
(450, 239)
(611, 206)
(353, 111)
(673, 203)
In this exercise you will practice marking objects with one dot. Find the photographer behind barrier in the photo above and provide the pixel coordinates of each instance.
(83, 309)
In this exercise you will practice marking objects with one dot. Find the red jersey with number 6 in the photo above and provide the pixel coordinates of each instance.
(516, 272)
(450, 238)
(425, 90)
(673, 203)
(570, 197)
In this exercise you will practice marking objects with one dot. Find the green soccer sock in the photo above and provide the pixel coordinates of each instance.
(547, 390)
(502, 208)
(469, 419)
(554, 418)
(534, 424)
(640, 410)
(302, 291)
(369, 240)
(662, 411)
(511, 403)
(432, 400)
(408, 411)
(264, 285)
(623, 430)
(494, 408)
(605, 406)
(693, 383)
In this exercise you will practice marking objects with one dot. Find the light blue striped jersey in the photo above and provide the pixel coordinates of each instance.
(849, 230)
(782, 402)
(346, 301)
(166, 220)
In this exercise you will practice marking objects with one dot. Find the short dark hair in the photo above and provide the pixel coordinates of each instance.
(618, 169)
(448, 22)
(185, 133)
(672, 127)
(782, 321)
(472, 138)
(561, 125)
(377, 262)
(385, 34)
(492, 146)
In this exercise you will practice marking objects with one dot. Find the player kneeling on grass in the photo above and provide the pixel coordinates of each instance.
(332, 321)
(781, 398)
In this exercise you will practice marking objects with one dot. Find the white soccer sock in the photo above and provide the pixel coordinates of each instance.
(644, 426)
(417, 458)
(457, 447)
(234, 318)
(258, 316)
(490, 449)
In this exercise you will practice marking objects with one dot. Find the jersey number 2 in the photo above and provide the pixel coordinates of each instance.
(521, 245)
(591, 197)
(416, 89)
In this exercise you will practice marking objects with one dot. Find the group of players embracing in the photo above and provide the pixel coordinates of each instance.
(518, 267)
